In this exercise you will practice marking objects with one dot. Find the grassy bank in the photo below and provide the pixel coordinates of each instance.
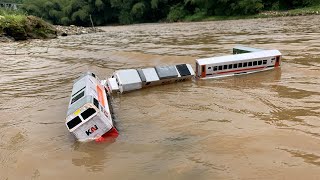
(21, 27)
(314, 10)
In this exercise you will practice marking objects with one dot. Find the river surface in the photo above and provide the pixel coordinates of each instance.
(258, 126)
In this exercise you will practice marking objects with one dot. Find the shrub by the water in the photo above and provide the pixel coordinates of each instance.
(22, 27)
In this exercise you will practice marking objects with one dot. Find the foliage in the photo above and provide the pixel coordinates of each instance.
(21, 27)
(102, 12)
(176, 13)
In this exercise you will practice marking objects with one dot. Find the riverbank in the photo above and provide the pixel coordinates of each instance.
(21, 27)
(17, 27)
(313, 10)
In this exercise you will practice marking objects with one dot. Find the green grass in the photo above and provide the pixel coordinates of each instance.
(21, 27)
(9, 18)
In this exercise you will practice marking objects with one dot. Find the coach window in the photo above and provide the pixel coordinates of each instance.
(240, 65)
(260, 62)
(209, 67)
(215, 68)
(230, 66)
(235, 65)
(264, 61)
(245, 64)
(250, 64)
(225, 66)
(255, 63)
(220, 68)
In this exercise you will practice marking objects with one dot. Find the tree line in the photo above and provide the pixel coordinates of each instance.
(102, 12)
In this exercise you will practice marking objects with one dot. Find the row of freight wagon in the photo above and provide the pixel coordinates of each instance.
(134, 79)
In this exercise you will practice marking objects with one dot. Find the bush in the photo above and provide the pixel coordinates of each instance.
(246, 7)
(21, 27)
(125, 17)
(138, 10)
(197, 16)
(176, 13)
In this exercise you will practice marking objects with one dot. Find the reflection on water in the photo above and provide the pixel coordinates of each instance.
(309, 158)
(257, 126)
(93, 153)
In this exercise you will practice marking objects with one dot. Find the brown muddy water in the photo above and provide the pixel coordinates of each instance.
(259, 126)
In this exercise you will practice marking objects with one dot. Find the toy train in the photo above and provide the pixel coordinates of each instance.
(90, 116)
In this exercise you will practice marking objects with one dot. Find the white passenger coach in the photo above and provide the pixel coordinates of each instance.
(237, 64)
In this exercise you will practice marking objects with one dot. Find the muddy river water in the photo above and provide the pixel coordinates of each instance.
(259, 126)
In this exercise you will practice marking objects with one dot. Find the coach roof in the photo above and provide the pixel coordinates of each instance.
(239, 57)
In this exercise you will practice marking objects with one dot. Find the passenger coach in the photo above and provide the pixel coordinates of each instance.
(230, 65)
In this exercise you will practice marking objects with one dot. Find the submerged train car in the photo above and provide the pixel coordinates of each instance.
(237, 64)
(89, 115)
(134, 79)
(244, 49)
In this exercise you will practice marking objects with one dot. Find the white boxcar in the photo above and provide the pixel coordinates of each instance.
(128, 80)
(244, 49)
(148, 76)
(132, 79)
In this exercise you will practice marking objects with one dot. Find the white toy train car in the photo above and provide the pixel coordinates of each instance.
(134, 79)
(237, 64)
(89, 114)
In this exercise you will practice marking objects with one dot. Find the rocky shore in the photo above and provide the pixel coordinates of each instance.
(288, 13)
(75, 30)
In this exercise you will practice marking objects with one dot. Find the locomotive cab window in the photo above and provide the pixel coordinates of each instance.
(76, 98)
(74, 122)
(87, 113)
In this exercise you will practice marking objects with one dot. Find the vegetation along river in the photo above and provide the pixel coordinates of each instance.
(257, 126)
